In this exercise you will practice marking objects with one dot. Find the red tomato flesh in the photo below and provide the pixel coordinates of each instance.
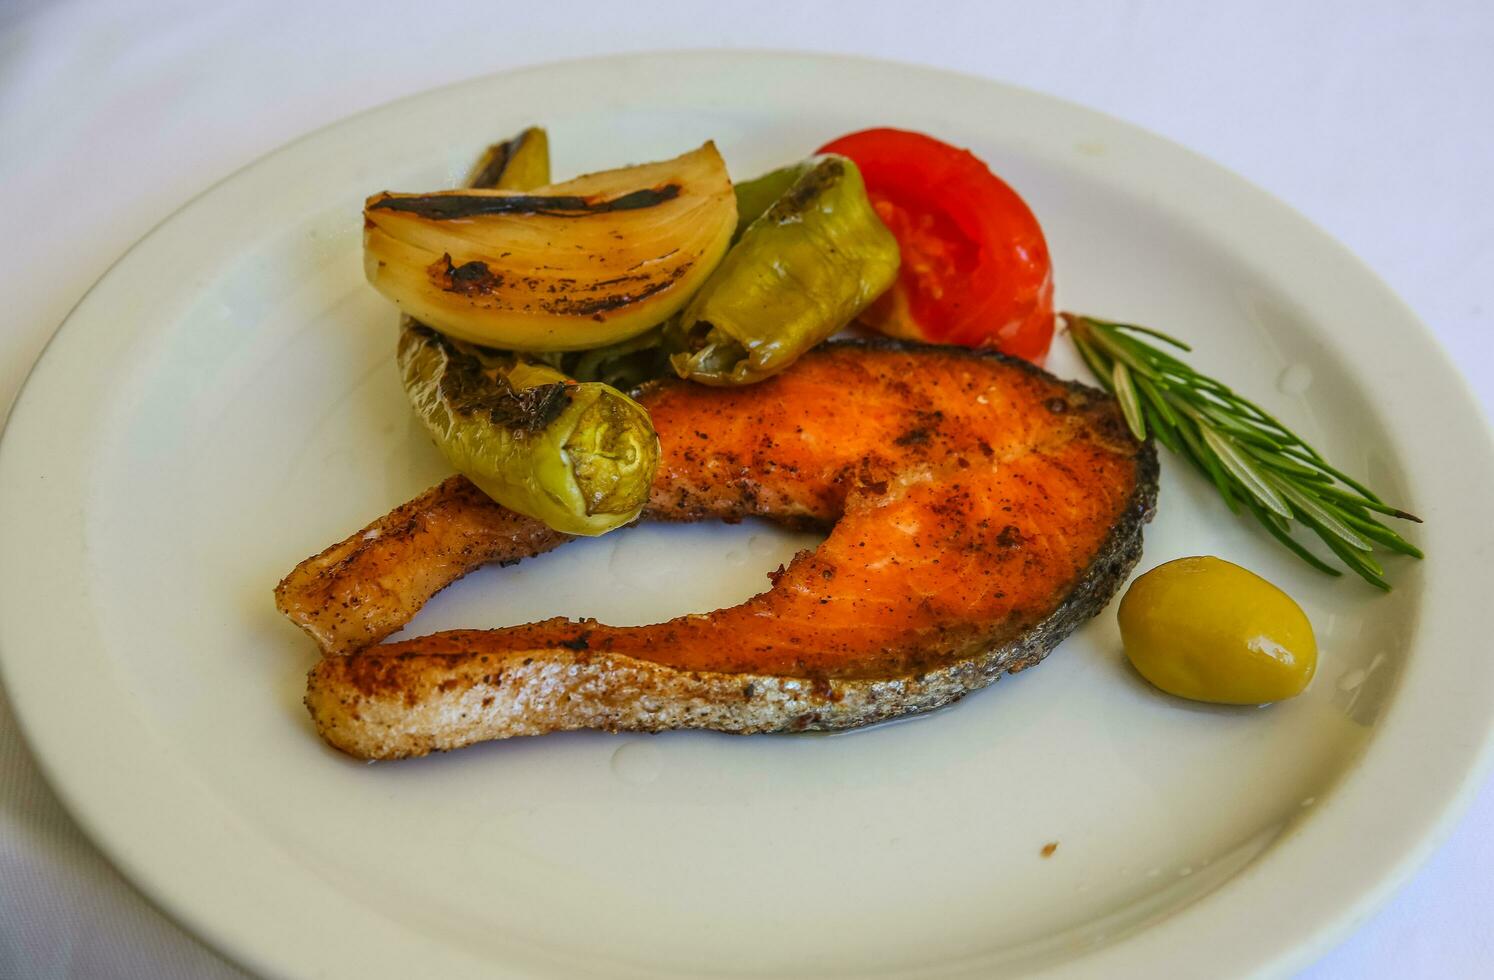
(975, 268)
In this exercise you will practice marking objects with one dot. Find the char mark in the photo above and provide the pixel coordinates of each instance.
(497, 158)
(468, 279)
(450, 207)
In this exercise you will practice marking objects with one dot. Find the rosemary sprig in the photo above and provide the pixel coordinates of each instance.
(1252, 459)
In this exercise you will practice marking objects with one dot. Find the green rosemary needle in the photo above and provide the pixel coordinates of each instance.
(1253, 460)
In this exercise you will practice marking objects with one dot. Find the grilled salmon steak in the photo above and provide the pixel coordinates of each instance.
(978, 510)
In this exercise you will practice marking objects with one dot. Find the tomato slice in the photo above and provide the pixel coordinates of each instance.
(975, 268)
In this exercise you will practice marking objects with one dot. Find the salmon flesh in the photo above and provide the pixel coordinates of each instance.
(977, 511)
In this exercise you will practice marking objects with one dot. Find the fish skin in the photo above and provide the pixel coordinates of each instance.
(1003, 507)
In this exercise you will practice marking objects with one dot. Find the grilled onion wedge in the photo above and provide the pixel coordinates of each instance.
(517, 164)
(569, 266)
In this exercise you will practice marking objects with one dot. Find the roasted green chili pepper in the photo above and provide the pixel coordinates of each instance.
(624, 365)
(519, 164)
(580, 457)
(756, 196)
(803, 270)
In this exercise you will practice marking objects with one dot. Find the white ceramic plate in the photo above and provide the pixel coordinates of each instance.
(224, 403)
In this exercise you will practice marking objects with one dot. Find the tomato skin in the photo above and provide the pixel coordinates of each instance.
(975, 267)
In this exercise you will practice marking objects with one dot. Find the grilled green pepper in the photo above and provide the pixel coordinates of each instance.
(519, 164)
(580, 457)
(803, 270)
(756, 196)
(624, 365)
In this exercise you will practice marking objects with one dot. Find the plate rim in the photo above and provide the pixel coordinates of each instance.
(1436, 822)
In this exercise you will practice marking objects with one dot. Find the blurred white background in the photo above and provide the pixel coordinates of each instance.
(1372, 118)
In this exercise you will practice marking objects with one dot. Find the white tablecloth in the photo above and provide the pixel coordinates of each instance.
(1372, 118)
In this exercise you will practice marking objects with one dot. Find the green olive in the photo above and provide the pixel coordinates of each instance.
(1208, 630)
